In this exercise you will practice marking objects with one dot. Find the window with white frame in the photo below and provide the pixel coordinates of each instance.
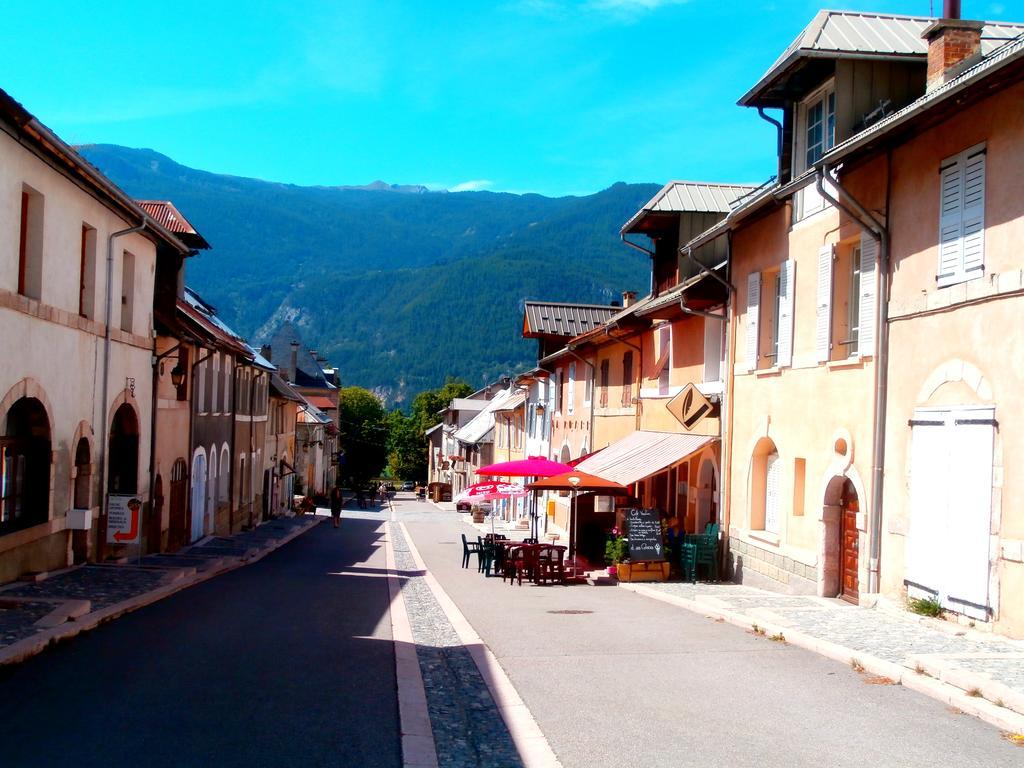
(773, 479)
(663, 355)
(556, 392)
(769, 317)
(714, 332)
(962, 217)
(845, 315)
(588, 385)
(815, 135)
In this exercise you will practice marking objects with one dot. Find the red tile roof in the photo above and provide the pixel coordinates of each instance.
(322, 402)
(168, 216)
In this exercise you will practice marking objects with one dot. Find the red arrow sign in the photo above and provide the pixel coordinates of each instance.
(132, 532)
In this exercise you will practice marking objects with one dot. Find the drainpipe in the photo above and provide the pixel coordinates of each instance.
(640, 248)
(778, 130)
(869, 222)
(725, 470)
(105, 396)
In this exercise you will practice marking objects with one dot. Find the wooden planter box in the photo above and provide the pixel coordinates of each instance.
(643, 571)
(478, 515)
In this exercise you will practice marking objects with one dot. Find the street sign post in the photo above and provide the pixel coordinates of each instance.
(123, 513)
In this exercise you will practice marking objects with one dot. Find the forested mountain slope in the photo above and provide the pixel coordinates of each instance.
(398, 286)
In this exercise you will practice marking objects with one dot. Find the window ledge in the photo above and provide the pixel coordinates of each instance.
(773, 371)
(766, 536)
(850, 362)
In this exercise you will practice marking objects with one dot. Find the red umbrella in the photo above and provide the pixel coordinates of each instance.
(534, 466)
(489, 491)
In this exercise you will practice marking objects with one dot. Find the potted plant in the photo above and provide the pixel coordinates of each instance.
(616, 549)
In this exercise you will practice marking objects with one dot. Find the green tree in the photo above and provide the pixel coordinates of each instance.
(364, 435)
(407, 456)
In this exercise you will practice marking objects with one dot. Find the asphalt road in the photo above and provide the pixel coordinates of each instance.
(615, 678)
(287, 661)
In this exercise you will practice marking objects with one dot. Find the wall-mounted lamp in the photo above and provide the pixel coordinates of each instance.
(177, 375)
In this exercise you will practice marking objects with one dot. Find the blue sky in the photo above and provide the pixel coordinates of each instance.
(550, 96)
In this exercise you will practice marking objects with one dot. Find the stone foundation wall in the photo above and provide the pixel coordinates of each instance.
(760, 567)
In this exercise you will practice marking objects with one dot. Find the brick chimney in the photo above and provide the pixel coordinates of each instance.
(954, 44)
(628, 298)
(267, 353)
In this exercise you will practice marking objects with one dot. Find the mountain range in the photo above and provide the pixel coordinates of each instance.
(397, 285)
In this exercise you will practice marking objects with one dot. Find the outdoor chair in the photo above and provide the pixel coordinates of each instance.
(688, 561)
(486, 556)
(530, 541)
(469, 548)
(700, 550)
(513, 562)
(550, 564)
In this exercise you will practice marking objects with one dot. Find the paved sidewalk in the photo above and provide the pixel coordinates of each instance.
(65, 603)
(986, 666)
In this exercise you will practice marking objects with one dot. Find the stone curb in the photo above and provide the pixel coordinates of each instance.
(532, 745)
(177, 581)
(418, 747)
(1000, 717)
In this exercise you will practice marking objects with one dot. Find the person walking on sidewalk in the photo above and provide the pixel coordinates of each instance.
(336, 502)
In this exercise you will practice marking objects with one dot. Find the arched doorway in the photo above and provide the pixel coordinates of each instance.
(25, 466)
(707, 495)
(81, 498)
(177, 526)
(197, 506)
(841, 560)
(124, 452)
(211, 491)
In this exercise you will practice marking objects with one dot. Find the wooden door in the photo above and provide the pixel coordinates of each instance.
(850, 540)
(177, 527)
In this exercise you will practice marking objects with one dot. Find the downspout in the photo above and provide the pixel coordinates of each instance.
(191, 424)
(725, 470)
(622, 237)
(105, 396)
(778, 130)
(869, 222)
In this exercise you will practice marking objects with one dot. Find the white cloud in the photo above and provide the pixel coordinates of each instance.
(474, 185)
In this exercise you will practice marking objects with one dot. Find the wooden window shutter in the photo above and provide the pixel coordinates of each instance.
(974, 213)
(823, 326)
(753, 312)
(950, 222)
(868, 290)
(787, 287)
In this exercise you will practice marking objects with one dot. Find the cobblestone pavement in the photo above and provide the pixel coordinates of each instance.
(102, 585)
(18, 621)
(469, 732)
(881, 633)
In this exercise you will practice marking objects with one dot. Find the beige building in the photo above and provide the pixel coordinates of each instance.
(77, 266)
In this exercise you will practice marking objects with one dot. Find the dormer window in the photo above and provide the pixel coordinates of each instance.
(820, 122)
(815, 135)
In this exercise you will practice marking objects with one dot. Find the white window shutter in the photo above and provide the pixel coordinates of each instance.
(823, 328)
(753, 315)
(787, 287)
(927, 539)
(950, 222)
(974, 213)
(868, 292)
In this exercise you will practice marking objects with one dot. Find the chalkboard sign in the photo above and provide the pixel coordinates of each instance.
(643, 528)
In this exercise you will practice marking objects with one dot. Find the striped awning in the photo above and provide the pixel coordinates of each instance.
(642, 454)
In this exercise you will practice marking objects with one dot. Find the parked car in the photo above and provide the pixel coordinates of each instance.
(408, 485)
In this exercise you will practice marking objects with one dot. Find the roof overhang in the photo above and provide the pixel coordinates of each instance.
(642, 454)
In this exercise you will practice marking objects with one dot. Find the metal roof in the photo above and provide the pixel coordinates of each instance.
(558, 319)
(641, 454)
(692, 197)
(512, 403)
(839, 34)
(1003, 56)
(281, 388)
(193, 308)
(476, 429)
(165, 213)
